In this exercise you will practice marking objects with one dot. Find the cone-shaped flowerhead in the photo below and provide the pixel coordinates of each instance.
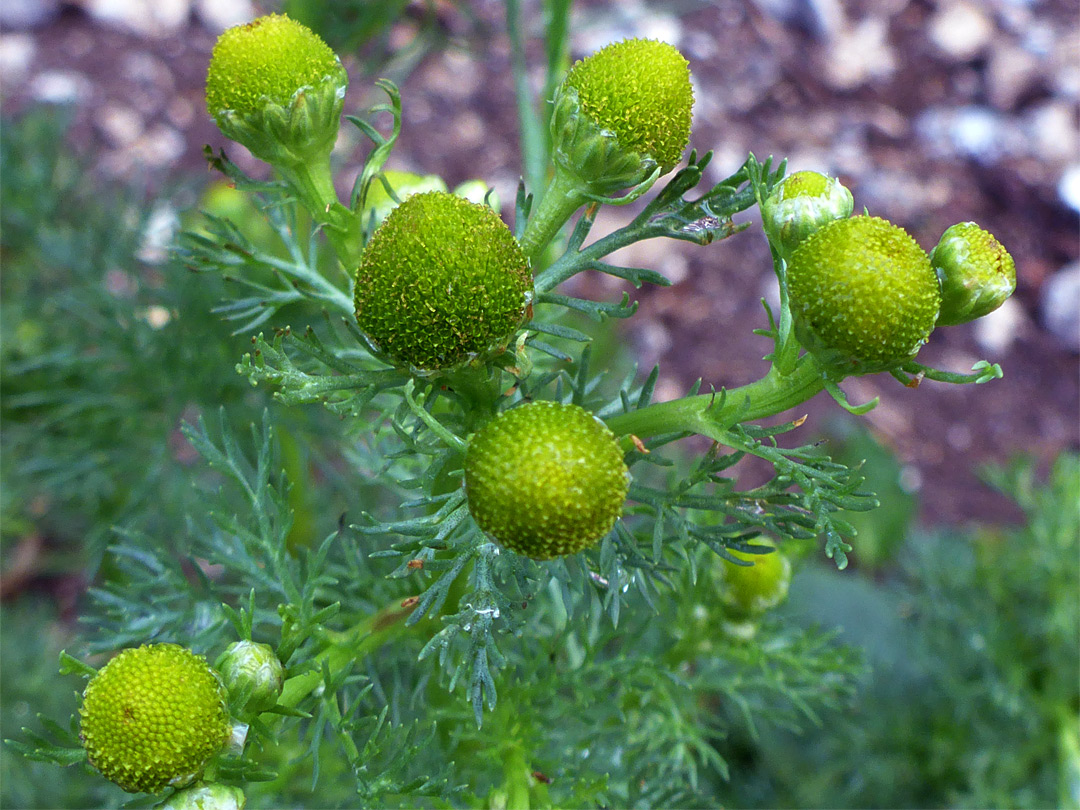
(441, 281)
(545, 479)
(276, 87)
(976, 272)
(252, 670)
(153, 717)
(750, 590)
(799, 205)
(863, 295)
(622, 112)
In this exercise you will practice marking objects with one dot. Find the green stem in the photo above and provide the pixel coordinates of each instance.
(704, 414)
(561, 199)
(516, 777)
(314, 183)
(367, 635)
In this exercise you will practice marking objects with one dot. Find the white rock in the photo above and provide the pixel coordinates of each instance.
(1060, 306)
(996, 332)
(1069, 187)
(59, 87)
(961, 30)
(119, 123)
(148, 17)
(860, 54)
(217, 15)
(19, 15)
(16, 55)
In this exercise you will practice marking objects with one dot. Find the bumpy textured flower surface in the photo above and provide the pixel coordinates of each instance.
(976, 272)
(442, 280)
(269, 58)
(799, 205)
(153, 717)
(863, 294)
(545, 479)
(640, 90)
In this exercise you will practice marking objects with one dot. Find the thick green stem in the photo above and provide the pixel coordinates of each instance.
(561, 199)
(710, 416)
(314, 183)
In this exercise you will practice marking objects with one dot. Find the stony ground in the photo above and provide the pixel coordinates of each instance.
(931, 112)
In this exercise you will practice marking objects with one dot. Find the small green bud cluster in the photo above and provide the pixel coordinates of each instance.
(622, 112)
(799, 205)
(545, 479)
(977, 274)
(153, 718)
(252, 671)
(441, 282)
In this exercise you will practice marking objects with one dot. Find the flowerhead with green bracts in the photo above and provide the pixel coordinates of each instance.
(864, 297)
(274, 86)
(545, 479)
(442, 281)
(622, 113)
(976, 272)
(800, 204)
(153, 718)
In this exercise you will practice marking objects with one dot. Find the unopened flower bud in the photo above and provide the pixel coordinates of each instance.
(621, 113)
(799, 205)
(252, 669)
(274, 86)
(976, 273)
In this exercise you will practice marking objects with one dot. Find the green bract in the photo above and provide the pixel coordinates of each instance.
(252, 670)
(442, 280)
(212, 796)
(799, 205)
(545, 479)
(622, 112)
(274, 86)
(977, 274)
(153, 717)
(863, 295)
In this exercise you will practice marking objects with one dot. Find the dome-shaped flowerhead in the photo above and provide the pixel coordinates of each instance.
(863, 295)
(212, 796)
(379, 203)
(441, 281)
(545, 479)
(623, 111)
(276, 87)
(750, 590)
(800, 204)
(976, 272)
(252, 671)
(153, 717)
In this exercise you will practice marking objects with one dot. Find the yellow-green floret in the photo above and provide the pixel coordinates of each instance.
(749, 590)
(863, 295)
(545, 479)
(640, 90)
(269, 58)
(442, 280)
(153, 717)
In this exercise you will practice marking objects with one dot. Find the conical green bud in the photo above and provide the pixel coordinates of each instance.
(153, 717)
(274, 86)
(977, 274)
(441, 281)
(545, 479)
(252, 670)
(622, 112)
(750, 590)
(799, 205)
(863, 295)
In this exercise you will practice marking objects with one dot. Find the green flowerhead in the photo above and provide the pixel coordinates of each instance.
(800, 204)
(545, 479)
(274, 86)
(863, 295)
(750, 590)
(622, 112)
(976, 272)
(266, 60)
(153, 717)
(441, 281)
